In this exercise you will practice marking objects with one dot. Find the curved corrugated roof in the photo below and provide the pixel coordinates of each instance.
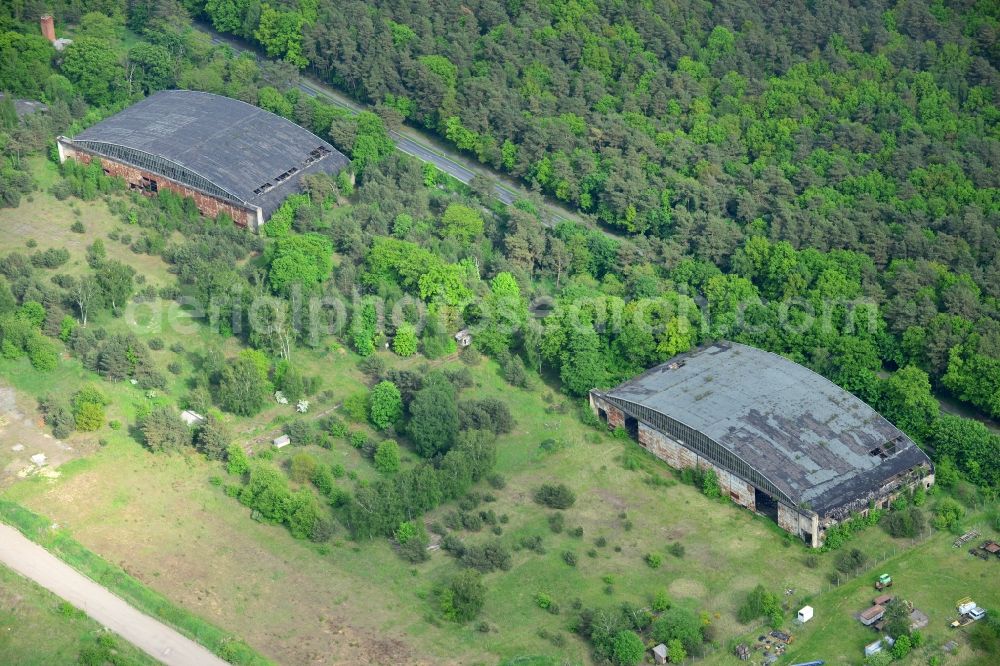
(243, 149)
(818, 443)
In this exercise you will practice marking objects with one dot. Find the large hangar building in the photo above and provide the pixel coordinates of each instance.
(783, 440)
(229, 156)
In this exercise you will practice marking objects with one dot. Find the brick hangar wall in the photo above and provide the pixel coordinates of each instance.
(679, 456)
(208, 205)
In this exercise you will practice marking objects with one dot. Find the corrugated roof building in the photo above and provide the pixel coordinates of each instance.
(783, 440)
(228, 155)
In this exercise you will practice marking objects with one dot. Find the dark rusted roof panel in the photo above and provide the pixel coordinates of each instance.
(240, 147)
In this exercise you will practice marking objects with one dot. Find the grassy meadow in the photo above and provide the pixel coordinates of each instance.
(37, 629)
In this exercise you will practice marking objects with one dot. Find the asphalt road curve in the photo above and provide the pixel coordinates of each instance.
(408, 142)
(151, 636)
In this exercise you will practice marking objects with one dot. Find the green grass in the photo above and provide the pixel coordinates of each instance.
(39, 530)
(186, 539)
(36, 629)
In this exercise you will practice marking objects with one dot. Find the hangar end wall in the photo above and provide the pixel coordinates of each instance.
(678, 456)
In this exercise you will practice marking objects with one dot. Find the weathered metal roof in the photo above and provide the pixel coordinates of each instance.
(240, 148)
(819, 444)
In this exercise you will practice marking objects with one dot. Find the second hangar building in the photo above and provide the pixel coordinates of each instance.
(783, 440)
(229, 156)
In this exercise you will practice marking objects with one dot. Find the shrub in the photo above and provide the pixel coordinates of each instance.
(302, 467)
(627, 648)
(387, 457)
(710, 484)
(462, 598)
(385, 405)
(336, 427)
(759, 602)
(163, 429)
(850, 561)
(676, 549)
(57, 416)
(42, 353)
(569, 557)
(901, 647)
(237, 462)
(356, 406)
(654, 560)
(543, 600)
(678, 623)
(322, 479)
(50, 258)
(601, 542)
(77, 227)
(212, 439)
(496, 481)
(453, 546)
(89, 416)
(908, 522)
(471, 521)
(661, 602)
(556, 522)
(948, 513)
(405, 341)
(406, 531)
(487, 557)
(533, 543)
(555, 496)
(174, 368)
(155, 344)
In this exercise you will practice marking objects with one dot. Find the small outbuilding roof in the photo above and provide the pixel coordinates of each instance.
(24, 107)
(282, 441)
(191, 418)
(253, 155)
(872, 613)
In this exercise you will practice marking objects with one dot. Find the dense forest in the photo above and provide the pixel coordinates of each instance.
(871, 128)
(836, 204)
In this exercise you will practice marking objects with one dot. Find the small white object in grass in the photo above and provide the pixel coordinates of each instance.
(38, 459)
(302, 407)
(17, 447)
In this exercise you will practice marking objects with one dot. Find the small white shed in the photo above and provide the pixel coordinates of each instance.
(805, 613)
(660, 654)
(192, 418)
(966, 606)
(282, 442)
(463, 338)
(873, 648)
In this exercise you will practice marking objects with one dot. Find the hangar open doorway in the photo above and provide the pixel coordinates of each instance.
(765, 504)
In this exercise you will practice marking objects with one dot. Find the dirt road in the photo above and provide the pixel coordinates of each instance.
(149, 635)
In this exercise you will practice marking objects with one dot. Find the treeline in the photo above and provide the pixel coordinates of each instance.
(868, 128)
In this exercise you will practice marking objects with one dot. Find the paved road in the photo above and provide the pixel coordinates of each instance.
(412, 142)
(151, 636)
